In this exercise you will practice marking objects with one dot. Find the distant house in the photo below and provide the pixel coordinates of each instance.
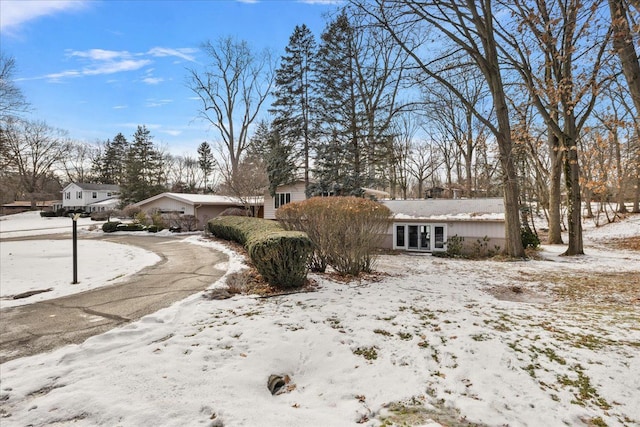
(90, 197)
(202, 206)
(426, 225)
(25, 205)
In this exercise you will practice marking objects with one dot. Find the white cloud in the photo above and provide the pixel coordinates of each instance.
(17, 12)
(153, 80)
(152, 103)
(323, 2)
(184, 53)
(120, 107)
(172, 132)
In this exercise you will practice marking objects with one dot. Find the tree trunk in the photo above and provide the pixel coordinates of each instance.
(623, 44)
(555, 190)
(574, 198)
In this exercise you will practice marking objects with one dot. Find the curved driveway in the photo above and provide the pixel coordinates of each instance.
(43, 326)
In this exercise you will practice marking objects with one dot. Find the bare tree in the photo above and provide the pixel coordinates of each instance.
(470, 27)
(558, 48)
(12, 100)
(623, 43)
(232, 90)
(33, 149)
(78, 160)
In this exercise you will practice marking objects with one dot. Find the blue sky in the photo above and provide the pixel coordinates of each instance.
(96, 68)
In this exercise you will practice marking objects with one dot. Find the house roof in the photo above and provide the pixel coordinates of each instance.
(106, 202)
(480, 209)
(202, 199)
(97, 187)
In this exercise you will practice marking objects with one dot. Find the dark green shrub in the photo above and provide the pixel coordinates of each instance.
(454, 246)
(346, 231)
(111, 226)
(131, 227)
(279, 256)
(153, 229)
(529, 238)
(48, 214)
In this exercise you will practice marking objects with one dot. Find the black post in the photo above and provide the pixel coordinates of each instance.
(75, 249)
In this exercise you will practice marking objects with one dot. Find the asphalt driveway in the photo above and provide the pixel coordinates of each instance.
(40, 327)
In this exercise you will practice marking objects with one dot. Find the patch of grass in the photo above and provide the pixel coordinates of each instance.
(382, 332)
(405, 336)
(584, 392)
(369, 353)
(480, 337)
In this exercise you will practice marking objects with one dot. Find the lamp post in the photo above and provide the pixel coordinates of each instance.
(75, 248)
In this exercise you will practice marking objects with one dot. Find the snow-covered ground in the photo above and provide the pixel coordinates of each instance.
(424, 340)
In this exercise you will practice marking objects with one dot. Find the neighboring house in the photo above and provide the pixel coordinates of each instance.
(202, 206)
(25, 205)
(426, 225)
(90, 197)
(295, 192)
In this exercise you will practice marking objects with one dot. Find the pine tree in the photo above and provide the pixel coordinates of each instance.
(110, 165)
(205, 161)
(144, 171)
(267, 144)
(340, 117)
(293, 94)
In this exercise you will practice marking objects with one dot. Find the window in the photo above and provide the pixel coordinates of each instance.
(94, 195)
(400, 235)
(67, 195)
(420, 237)
(78, 194)
(109, 194)
(282, 199)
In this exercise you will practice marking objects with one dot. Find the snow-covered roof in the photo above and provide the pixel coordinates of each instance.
(96, 187)
(443, 209)
(106, 202)
(203, 199)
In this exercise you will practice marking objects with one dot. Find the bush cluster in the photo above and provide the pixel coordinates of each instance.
(113, 226)
(48, 214)
(346, 231)
(279, 256)
(529, 238)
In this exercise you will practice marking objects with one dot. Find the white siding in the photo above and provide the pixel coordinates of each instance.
(297, 195)
(73, 201)
(168, 205)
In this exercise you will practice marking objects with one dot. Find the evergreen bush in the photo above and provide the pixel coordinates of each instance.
(529, 238)
(279, 256)
(131, 227)
(346, 231)
(111, 226)
(47, 214)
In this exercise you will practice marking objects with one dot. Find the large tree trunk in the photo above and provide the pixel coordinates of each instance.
(555, 190)
(572, 183)
(623, 44)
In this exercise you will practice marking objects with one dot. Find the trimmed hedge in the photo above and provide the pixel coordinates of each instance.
(111, 226)
(279, 256)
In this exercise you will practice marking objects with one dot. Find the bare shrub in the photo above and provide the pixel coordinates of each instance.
(183, 222)
(130, 211)
(346, 231)
(234, 212)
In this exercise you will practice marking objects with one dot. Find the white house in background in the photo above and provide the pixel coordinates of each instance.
(202, 206)
(425, 225)
(90, 197)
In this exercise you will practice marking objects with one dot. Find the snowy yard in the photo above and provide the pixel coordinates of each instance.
(428, 341)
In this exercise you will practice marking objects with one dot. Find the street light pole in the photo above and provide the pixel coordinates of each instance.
(75, 248)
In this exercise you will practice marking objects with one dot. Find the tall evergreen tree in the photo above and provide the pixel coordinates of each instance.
(337, 108)
(205, 161)
(110, 164)
(293, 94)
(267, 144)
(144, 169)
